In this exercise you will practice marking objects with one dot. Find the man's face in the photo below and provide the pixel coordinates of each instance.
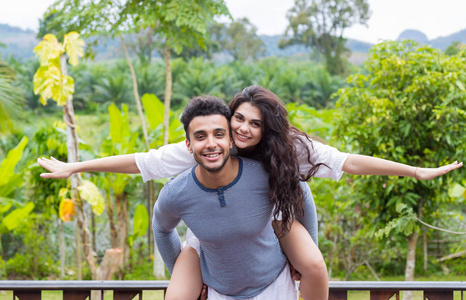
(209, 141)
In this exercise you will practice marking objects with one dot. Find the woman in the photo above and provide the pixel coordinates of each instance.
(259, 125)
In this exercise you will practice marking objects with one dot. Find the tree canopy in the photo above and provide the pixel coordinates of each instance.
(320, 24)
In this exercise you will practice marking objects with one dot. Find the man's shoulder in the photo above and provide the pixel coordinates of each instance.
(179, 183)
(252, 167)
(250, 163)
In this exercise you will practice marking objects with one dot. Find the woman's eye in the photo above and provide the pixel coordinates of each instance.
(239, 118)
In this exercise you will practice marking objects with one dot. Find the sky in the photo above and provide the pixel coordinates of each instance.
(389, 17)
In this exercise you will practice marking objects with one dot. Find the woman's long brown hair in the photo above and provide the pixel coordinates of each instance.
(278, 154)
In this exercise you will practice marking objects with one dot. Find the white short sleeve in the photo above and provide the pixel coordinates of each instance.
(320, 153)
(166, 161)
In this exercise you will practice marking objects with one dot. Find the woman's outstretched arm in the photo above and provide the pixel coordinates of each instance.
(114, 164)
(164, 162)
(366, 165)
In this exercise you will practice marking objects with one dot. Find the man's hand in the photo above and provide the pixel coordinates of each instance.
(58, 169)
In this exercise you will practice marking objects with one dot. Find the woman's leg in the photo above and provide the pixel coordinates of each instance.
(307, 259)
(186, 280)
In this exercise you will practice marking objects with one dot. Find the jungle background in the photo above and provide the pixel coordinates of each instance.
(131, 68)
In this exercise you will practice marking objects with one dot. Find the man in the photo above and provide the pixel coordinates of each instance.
(224, 201)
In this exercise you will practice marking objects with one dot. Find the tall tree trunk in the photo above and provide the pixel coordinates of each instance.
(136, 92)
(150, 184)
(73, 156)
(61, 246)
(78, 254)
(168, 92)
(410, 261)
(122, 224)
(424, 242)
(411, 256)
(159, 268)
(111, 221)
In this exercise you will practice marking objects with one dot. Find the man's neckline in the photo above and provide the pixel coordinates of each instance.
(221, 188)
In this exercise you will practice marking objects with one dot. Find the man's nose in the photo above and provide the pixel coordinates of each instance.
(211, 141)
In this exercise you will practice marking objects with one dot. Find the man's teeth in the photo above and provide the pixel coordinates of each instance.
(212, 155)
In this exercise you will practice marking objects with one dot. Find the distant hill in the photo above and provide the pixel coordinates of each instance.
(440, 43)
(20, 43)
(271, 42)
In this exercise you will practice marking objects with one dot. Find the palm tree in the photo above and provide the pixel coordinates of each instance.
(11, 98)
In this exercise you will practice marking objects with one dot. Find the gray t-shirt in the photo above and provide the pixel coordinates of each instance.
(239, 251)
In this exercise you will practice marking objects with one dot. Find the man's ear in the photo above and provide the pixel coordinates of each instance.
(231, 143)
(188, 145)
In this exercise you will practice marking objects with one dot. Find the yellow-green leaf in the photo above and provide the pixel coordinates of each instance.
(46, 80)
(64, 90)
(74, 47)
(49, 48)
(91, 194)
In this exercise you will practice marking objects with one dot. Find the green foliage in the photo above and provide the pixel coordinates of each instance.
(11, 98)
(200, 78)
(453, 49)
(154, 112)
(399, 109)
(47, 141)
(120, 141)
(2, 269)
(321, 24)
(34, 259)
(13, 219)
(140, 224)
(9, 180)
(239, 39)
(182, 23)
(403, 224)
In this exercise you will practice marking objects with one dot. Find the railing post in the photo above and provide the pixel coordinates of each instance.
(76, 295)
(384, 295)
(338, 295)
(27, 295)
(438, 295)
(126, 295)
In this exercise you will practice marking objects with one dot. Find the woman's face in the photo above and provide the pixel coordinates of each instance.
(246, 125)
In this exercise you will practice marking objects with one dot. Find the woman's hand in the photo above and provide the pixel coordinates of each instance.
(429, 173)
(58, 169)
(295, 275)
(203, 295)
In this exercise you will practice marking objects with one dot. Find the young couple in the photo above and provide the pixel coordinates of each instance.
(228, 202)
